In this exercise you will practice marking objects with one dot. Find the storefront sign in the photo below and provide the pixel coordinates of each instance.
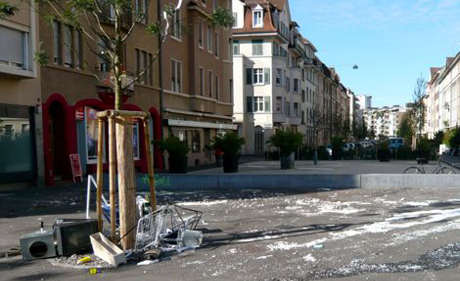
(76, 167)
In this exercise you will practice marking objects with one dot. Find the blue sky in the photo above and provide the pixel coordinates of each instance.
(392, 41)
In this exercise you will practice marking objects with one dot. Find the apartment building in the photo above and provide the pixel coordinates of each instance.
(197, 79)
(364, 101)
(21, 152)
(384, 121)
(442, 97)
(71, 95)
(278, 79)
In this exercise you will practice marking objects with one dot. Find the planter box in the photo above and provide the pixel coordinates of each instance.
(288, 162)
(230, 163)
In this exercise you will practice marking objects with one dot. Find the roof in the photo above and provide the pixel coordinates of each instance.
(279, 4)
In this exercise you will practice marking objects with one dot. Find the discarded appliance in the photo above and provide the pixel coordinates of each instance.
(72, 235)
(38, 245)
(166, 227)
(104, 248)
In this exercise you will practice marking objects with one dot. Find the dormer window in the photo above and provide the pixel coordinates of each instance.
(257, 17)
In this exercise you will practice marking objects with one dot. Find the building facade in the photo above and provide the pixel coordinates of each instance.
(71, 95)
(384, 121)
(278, 79)
(364, 101)
(21, 149)
(197, 79)
(442, 97)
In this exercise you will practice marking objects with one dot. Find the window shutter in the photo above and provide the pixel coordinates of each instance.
(267, 104)
(267, 76)
(248, 76)
(249, 104)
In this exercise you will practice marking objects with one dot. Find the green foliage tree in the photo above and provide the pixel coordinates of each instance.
(406, 129)
(7, 10)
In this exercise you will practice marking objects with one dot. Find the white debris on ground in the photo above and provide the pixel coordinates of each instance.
(73, 261)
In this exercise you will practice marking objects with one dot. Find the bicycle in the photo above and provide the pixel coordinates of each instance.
(421, 170)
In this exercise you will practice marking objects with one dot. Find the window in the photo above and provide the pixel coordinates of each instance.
(176, 76)
(144, 66)
(209, 83)
(78, 50)
(214, 4)
(296, 85)
(287, 108)
(200, 34)
(296, 109)
(257, 47)
(196, 144)
(235, 19)
(216, 50)
(140, 7)
(67, 46)
(176, 25)
(258, 104)
(279, 76)
(236, 47)
(136, 150)
(258, 76)
(303, 117)
(104, 62)
(14, 48)
(279, 104)
(217, 88)
(57, 42)
(288, 84)
(209, 38)
(257, 18)
(91, 123)
(201, 81)
(303, 95)
(276, 49)
(267, 104)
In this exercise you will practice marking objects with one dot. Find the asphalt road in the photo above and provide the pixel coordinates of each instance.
(386, 234)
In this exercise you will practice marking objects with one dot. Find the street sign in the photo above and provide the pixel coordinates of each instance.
(76, 167)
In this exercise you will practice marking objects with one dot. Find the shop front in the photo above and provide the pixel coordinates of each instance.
(72, 129)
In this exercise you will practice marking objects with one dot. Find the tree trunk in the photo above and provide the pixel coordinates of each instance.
(126, 181)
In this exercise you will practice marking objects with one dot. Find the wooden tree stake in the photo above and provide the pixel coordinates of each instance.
(148, 152)
(112, 178)
(100, 176)
(126, 181)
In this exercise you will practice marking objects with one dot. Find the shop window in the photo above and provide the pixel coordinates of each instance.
(91, 123)
(17, 160)
(196, 144)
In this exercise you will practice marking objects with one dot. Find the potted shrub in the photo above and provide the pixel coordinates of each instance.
(230, 144)
(383, 152)
(287, 142)
(178, 151)
(423, 150)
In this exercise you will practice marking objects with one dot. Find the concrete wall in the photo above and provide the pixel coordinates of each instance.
(298, 182)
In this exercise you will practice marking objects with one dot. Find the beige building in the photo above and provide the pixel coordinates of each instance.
(442, 97)
(21, 153)
(197, 79)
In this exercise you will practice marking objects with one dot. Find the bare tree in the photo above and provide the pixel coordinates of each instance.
(318, 124)
(418, 111)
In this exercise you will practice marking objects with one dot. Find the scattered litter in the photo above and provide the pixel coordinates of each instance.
(318, 246)
(106, 250)
(309, 258)
(84, 260)
(94, 271)
(148, 262)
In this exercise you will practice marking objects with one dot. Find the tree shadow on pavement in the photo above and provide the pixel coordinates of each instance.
(215, 241)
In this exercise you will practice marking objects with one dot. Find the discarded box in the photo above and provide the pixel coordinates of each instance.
(38, 245)
(106, 250)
